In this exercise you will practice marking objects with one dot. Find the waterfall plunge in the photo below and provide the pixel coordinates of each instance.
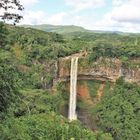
(73, 89)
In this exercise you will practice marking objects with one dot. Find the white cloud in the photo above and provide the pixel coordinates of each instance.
(40, 17)
(33, 17)
(57, 18)
(117, 2)
(84, 4)
(124, 16)
(128, 11)
(28, 2)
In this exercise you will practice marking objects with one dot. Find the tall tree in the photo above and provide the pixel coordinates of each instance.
(8, 85)
(3, 35)
(6, 6)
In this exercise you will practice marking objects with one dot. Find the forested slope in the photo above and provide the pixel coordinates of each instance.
(30, 108)
(56, 28)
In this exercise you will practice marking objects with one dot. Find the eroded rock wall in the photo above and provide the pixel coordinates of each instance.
(102, 69)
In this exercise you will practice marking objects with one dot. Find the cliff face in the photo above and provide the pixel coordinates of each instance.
(103, 69)
(83, 92)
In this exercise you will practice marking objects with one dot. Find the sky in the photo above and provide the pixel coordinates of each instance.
(109, 15)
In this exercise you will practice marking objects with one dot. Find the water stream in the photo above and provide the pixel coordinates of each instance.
(73, 89)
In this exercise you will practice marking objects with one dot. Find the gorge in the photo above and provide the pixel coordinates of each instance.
(93, 81)
(51, 90)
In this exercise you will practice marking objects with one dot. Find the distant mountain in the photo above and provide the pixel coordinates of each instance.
(70, 30)
(57, 28)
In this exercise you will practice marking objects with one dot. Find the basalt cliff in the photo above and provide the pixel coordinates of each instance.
(103, 69)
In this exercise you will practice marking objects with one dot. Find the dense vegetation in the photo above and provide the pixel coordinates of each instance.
(56, 28)
(119, 112)
(30, 109)
(99, 44)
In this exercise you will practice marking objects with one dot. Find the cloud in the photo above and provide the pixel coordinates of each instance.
(28, 2)
(124, 16)
(33, 17)
(57, 18)
(40, 17)
(128, 11)
(84, 4)
(117, 2)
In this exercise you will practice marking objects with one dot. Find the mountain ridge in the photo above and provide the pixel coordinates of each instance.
(65, 29)
(61, 29)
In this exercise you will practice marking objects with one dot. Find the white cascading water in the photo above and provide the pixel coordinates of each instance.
(73, 89)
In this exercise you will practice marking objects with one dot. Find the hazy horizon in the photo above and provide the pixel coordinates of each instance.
(102, 15)
(106, 15)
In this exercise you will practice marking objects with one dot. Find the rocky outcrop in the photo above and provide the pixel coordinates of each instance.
(103, 69)
(82, 92)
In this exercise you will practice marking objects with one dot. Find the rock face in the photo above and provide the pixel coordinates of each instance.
(103, 69)
(82, 92)
(100, 71)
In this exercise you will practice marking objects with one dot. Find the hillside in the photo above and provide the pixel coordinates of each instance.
(57, 28)
(69, 30)
(34, 85)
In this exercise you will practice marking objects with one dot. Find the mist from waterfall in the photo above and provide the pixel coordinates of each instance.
(73, 89)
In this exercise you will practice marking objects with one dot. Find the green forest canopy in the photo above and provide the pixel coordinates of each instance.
(30, 111)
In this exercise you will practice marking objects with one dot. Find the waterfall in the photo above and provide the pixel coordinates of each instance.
(73, 89)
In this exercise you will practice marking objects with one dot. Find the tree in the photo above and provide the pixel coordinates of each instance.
(6, 5)
(8, 85)
(3, 34)
(118, 112)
